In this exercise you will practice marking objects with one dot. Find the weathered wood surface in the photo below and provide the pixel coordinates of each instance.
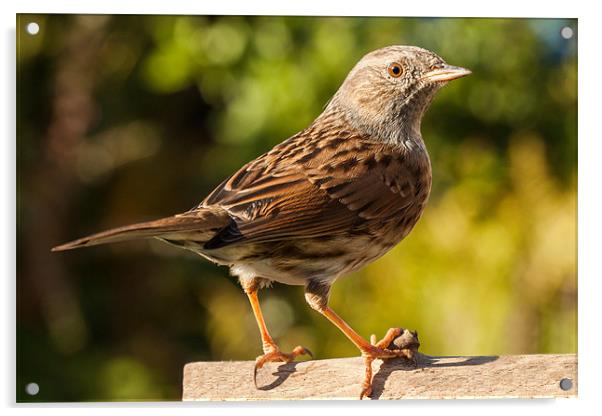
(512, 376)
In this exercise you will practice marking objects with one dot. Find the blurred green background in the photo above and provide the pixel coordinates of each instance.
(127, 118)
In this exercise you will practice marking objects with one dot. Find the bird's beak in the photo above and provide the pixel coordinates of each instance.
(446, 73)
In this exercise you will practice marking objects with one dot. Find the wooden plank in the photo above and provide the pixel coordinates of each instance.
(511, 376)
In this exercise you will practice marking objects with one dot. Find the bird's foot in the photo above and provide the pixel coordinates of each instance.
(397, 342)
(273, 354)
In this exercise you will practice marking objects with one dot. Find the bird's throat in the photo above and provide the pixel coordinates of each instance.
(395, 123)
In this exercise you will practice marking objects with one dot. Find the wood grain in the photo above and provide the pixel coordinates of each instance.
(511, 376)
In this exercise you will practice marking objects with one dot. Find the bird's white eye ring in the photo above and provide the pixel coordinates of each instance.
(395, 69)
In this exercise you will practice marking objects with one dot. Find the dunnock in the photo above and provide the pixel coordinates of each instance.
(325, 202)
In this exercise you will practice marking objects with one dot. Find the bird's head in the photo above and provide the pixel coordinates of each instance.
(388, 91)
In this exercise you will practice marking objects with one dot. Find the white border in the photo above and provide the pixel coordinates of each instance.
(590, 207)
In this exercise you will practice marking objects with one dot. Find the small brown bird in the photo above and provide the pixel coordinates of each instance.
(327, 201)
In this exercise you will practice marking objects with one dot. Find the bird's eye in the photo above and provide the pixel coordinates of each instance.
(395, 70)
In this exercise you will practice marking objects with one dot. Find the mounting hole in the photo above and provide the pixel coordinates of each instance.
(566, 32)
(566, 384)
(32, 389)
(32, 28)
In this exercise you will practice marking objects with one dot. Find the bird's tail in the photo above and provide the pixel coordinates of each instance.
(200, 225)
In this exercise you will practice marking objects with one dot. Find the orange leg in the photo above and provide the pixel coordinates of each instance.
(364, 346)
(271, 351)
(316, 294)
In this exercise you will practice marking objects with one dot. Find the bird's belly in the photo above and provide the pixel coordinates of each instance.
(250, 271)
(325, 258)
(297, 262)
(291, 262)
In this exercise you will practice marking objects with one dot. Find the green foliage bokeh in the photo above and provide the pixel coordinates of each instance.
(127, 118)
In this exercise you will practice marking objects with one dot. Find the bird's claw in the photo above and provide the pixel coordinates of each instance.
(275, 355)
(366, 391)
(397, 342)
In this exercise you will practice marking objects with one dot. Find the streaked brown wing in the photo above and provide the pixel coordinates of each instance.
(325, 187)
